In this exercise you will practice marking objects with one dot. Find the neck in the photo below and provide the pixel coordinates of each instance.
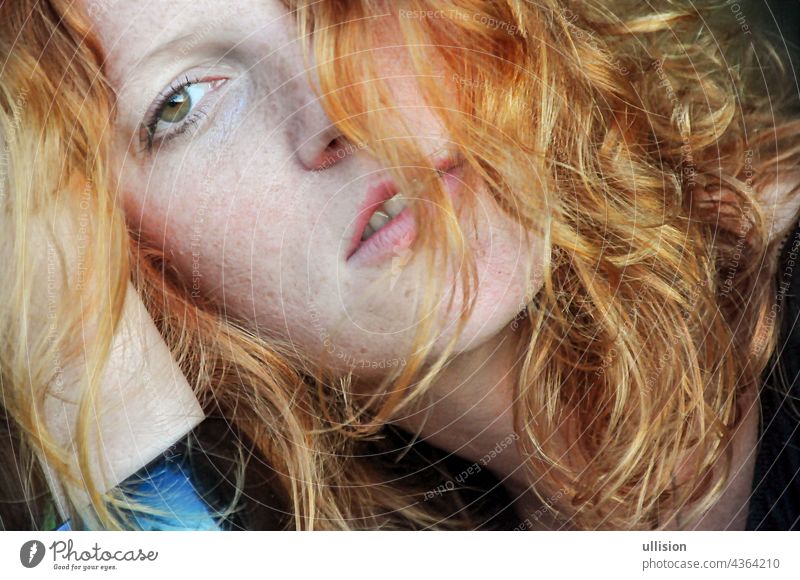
(469, 412)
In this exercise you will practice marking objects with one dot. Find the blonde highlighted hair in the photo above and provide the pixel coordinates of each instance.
(598, 126)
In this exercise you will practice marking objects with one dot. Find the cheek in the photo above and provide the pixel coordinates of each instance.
(224, 235)
(509, 269)
(257, 246)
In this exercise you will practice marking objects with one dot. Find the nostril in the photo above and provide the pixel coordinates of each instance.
(336, 150)
(320, 149)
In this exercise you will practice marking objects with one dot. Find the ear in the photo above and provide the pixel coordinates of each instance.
(779, 200)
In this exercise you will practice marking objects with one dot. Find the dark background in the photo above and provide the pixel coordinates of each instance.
(780, 19)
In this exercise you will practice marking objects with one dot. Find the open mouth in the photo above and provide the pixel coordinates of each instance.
(385, 226)
(387, 211)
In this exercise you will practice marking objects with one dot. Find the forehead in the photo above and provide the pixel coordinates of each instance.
(132, 31)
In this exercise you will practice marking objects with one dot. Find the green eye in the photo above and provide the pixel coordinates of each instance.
(177, 107)
(177, 111)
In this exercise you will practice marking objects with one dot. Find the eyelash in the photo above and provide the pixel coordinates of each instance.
(151, 119)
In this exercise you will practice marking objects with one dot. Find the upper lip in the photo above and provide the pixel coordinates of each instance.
(381, 191)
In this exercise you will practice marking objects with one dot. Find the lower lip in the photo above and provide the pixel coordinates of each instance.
(399, 233)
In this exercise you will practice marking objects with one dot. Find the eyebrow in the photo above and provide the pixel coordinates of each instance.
(170, 45)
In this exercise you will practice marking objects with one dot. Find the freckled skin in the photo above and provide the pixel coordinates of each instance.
(244, 203)
(256, 209)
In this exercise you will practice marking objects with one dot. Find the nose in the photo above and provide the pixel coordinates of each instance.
(318, 142)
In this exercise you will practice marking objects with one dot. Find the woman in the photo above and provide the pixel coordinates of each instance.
(593, 197)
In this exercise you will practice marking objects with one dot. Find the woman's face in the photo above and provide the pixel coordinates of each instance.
(258, 201)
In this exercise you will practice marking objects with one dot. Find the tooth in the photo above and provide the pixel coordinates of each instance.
(368, 231)
(378, 220)
(394, 205)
